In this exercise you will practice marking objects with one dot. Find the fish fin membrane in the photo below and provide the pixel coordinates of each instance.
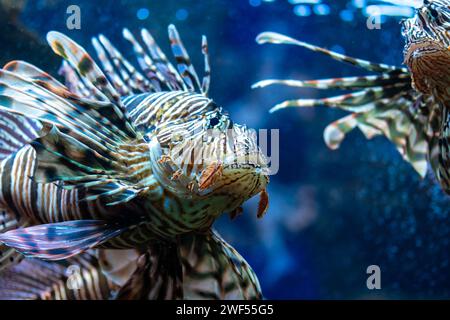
(8, 221)
(77, 278)
(39, 100)
(49, 93)
(154, 71)
(78, 163)
(57, 241)
(118, 264)
(88, 136)
(15, 132)
(213, 269)
(158, 275)
(380, 104)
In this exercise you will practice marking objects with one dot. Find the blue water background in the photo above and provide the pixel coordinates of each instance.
(332, 213)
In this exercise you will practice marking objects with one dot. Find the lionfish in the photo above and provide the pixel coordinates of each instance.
(121, 172)
(407, 105)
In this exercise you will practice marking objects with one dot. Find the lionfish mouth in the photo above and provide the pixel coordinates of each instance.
(193, 167)
(255, 160)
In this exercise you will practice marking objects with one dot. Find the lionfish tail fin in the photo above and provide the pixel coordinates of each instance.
(57, 241)
(380, 104)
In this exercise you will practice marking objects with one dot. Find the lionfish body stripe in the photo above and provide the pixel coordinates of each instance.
(116, 159)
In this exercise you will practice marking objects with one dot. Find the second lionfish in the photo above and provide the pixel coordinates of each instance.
(407, 105)
(122, 172)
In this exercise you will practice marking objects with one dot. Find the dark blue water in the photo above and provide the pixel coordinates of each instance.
(333, 213)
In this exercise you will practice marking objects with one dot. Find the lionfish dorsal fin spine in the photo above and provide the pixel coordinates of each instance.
(87, 69)
(379, 104)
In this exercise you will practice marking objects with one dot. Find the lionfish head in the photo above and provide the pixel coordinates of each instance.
(207, 156)
(426, 50)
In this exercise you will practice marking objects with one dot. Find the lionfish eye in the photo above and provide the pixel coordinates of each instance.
(214, 122)
(217, 120)
(433, 12)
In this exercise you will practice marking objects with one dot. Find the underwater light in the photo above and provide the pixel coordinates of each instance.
(302, 10)
(305, 1)
(321, 9)
(142, 13)
(346, 15)
(386, 10)
(181, 14)
(255, 3)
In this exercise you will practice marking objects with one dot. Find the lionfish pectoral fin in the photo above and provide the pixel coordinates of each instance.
(77, 278)
(61, 240)
(158, 275)
(9, 221)
(380, 104)
(118, 264)
(197, 266)
(213, 269)
(77, 164)
(16, 131)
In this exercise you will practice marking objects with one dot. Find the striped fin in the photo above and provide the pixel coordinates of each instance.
(276, 38)
(58, 107)
(156, 72)
(79, 59)
(213, 269)
(79, 165)
(153, 72)
(118, 265)
(74, 83)
(8, 256)
(348, 83)
(359, 101)
(15, 132)
(62, 156)
(382, 104)
(207, 76)
(31, 72)
(158, 275)
(128, 73)
(184, 64)
(108, 68)
(163, 65)
(81, 138)
(77, 278)
(57, 241)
